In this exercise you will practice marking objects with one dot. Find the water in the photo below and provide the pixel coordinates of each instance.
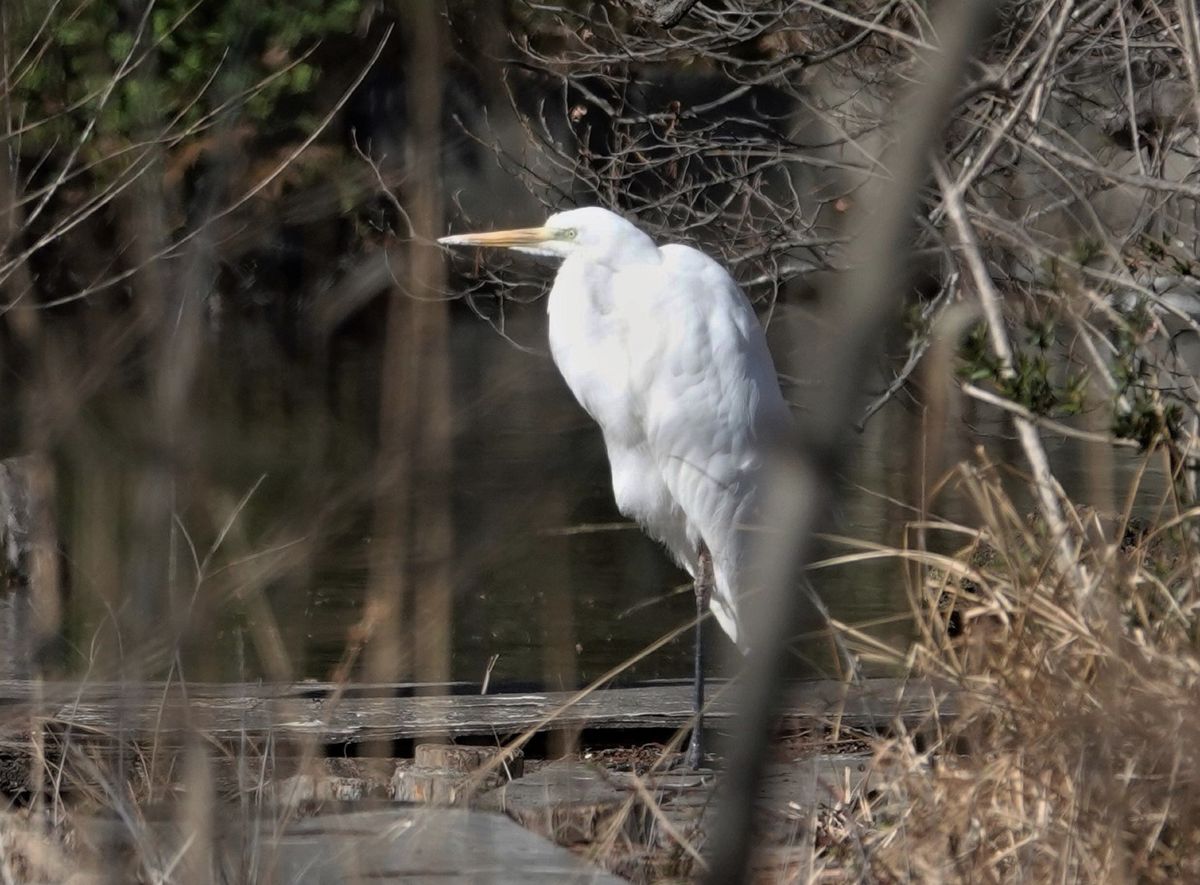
(549, 584)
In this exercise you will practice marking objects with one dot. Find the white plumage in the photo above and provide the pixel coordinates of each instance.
(663, 350)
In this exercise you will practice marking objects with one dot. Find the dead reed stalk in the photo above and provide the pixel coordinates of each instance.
(1073, 756)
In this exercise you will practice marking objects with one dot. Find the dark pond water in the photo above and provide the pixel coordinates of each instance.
(548, 584)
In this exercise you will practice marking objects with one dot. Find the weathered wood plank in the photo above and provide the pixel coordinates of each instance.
(228, 715)
(20, 691)
(425, 845)
(400, 844)
(570, 802)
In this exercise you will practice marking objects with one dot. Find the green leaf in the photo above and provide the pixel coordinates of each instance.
(75, 33)
(302, 77)
(119, 46)
(161, 21)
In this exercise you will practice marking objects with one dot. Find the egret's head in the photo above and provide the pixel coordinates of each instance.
(593, 232)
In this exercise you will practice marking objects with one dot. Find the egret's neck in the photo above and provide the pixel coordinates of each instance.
(631, 248)
(582, 289)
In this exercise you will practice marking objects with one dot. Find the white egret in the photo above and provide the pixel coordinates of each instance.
(663, 350)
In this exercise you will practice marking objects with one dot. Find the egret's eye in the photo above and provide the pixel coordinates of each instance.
(568, 234)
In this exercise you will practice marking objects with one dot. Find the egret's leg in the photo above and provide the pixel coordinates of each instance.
(703, 586)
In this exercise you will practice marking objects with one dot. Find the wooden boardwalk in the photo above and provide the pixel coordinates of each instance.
(276, 753)
(391, 712)
(412, 845)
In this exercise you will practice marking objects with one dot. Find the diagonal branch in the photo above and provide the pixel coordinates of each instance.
(864, 302)
(1046, 486)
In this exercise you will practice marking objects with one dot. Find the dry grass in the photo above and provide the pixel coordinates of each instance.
(29, 854)
(1074, 757)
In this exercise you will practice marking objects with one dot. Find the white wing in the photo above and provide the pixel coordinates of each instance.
(710, 406)
(588, 342)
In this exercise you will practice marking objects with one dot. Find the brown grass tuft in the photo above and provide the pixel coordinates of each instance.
(1074, 756)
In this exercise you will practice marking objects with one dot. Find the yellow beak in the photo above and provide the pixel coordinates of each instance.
(522, 236)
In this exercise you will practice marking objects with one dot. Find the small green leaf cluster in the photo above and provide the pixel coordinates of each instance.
(1139, 416)
(1034, 381)
(915, 323)
(1139, 412)
(1164, 257)
(187, 61)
